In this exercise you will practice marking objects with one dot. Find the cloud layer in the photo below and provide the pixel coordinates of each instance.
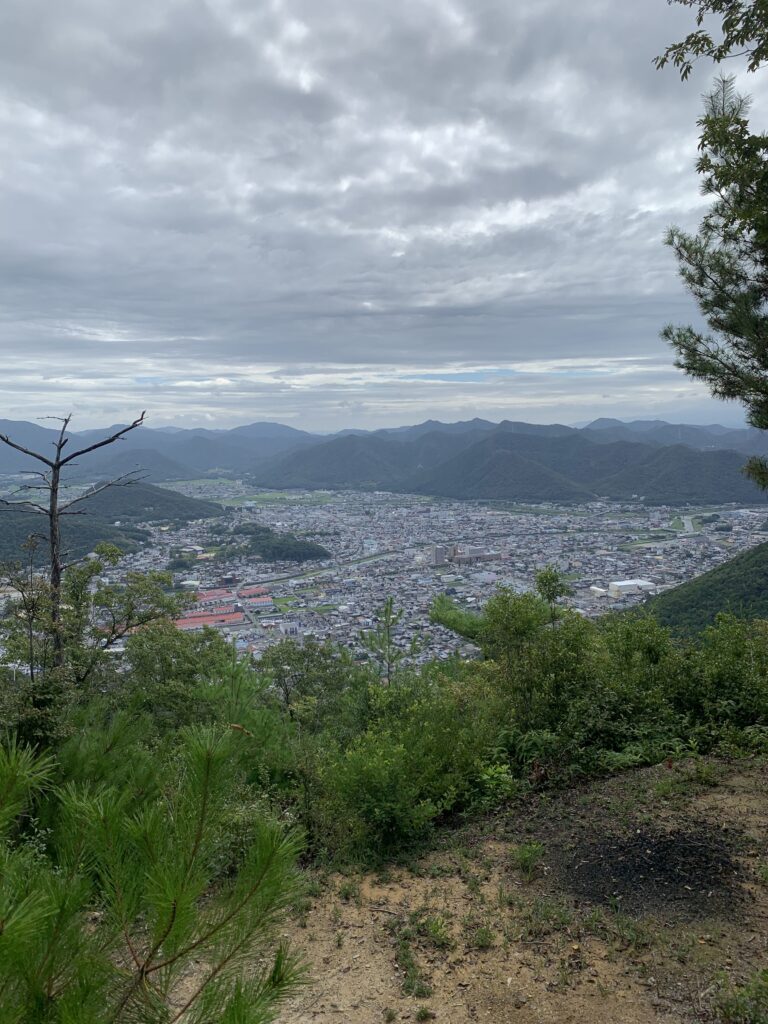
(348, 213)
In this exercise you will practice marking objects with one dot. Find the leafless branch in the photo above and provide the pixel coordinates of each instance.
(55, 511)
(25, 451)
(107, 440)
(30, 487)
(30, 507)
(125, 480)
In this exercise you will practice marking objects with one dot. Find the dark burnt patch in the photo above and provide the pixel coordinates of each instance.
(688, 872)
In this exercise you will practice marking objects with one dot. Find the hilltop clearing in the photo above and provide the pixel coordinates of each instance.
(640, 899)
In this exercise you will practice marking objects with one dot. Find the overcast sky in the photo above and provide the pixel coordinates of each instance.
(347, 213)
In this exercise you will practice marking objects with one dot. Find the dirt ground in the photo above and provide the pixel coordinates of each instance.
(627, 901)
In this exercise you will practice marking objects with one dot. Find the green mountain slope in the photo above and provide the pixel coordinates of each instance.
(739, 586)
(147, 465)
(80, 534)
(126, 506)
(685, 475)
(349, 461)
(142, 502)
(361, 461)
(498, 474)
(547, 464)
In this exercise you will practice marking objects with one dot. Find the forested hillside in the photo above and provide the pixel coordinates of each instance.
(517, 462)
(143, 502)
(270, 545)
(110, 516)
(739, 586)
(80, 534)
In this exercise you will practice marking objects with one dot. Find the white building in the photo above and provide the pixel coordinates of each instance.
(622, 588)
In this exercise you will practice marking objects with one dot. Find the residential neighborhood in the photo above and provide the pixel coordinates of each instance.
(414, 548)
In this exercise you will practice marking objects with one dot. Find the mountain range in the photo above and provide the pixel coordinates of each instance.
(652, 460)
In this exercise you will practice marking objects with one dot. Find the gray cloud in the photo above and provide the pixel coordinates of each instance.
(286, 209)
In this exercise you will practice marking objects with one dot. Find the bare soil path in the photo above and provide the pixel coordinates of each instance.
(631, 900)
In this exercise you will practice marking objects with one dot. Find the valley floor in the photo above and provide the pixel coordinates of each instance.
(634, 899)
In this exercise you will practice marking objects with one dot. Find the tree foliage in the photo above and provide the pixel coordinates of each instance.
(551, 585)
(725, 265)
(92, 616)
(381, 641)
(743, 32)
(107, 924)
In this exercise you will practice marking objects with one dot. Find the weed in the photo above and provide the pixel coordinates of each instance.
(506, 897)
(435, 930)
(414, 983)
(390, 1015)
(762, 873)
(745, 1004)
(350, 890)
(312, 886)
(680, 784)
(667, 787)
(424, 1014)
(439, 871)
(706, 774)
(618, 927)
(472, 883)
(526, 858)
(482, 938)
(544, 916)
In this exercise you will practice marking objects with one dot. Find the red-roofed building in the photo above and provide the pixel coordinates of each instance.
(252, 591)
(214, 609)
(218, 594)
(231, 620)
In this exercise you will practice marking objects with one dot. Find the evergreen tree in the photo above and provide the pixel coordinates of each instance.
(127, 918)
(725, 265)
(380, 642)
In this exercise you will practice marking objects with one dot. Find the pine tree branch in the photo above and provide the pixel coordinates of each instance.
(223, 921)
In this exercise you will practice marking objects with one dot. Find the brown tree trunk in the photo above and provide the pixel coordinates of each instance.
(51, 478)
(54, 537)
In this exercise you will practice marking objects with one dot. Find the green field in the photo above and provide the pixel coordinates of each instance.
(279, 498)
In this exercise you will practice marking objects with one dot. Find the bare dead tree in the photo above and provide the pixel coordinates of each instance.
(54, 509)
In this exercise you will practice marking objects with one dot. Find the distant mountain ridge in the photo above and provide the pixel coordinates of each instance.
(515, 462)
(654, 460)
